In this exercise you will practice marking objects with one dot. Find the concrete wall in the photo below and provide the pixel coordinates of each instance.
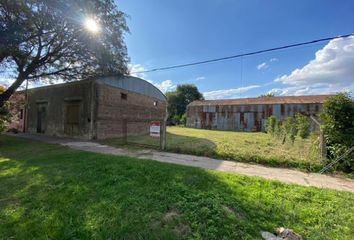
(49, 105)
(248, 117)
(136, 112)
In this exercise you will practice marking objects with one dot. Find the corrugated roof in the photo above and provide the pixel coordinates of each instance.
(129, 83)
(134, 84)
(264, 100)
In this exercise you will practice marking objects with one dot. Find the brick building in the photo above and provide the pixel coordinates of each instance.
(94, 109)
(249, 114)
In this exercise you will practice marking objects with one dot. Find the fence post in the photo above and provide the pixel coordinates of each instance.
(163, 135)
(323, 148)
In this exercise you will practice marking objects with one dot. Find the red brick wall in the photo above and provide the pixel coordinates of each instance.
(138, 110)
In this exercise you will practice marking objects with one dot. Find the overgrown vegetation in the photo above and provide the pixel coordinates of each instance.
(239, 146)
(338, 125)
(290, 128)
(303, 126)
(53, 192)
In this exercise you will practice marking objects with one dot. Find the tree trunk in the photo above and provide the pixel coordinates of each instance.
(7, 94)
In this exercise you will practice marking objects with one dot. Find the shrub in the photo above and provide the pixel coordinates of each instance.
(338, 125)
(183, 119)
(289, 129)
(303, 125)
(278, 129)
(270, 125)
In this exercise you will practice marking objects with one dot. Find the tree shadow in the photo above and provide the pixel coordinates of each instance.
(65, 194)
(175, 143)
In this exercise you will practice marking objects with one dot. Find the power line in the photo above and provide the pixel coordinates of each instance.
(242, 55)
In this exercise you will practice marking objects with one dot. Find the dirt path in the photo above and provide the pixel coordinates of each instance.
(280, 174)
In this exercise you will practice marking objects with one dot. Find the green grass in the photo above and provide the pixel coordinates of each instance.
(253, 147)
(53, 192)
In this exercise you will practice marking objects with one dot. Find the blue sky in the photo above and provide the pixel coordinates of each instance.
(174, 32)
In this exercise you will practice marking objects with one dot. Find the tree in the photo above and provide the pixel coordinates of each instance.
(46, 40)
(337, 117)
(267, 95)
(179, 99)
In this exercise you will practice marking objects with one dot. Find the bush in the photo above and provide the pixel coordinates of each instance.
(183, 120)
(338, 125)
(270, 125)
(278, 129)
(303, 125)
(290, 129)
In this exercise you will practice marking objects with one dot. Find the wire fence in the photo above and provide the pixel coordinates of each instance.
(142, 132)
(333, 163)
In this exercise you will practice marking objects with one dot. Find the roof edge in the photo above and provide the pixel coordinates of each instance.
(258, 100)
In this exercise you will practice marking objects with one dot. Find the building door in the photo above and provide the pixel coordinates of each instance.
(72, 119)
(41, 118)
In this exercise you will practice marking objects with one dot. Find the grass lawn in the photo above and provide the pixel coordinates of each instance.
(52, 192)
(239, 146)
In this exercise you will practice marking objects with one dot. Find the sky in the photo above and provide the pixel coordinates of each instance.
(164, 33)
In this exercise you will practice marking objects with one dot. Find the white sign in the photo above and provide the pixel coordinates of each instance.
(155, 129)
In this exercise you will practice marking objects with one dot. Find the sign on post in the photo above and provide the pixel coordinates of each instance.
(155, 129)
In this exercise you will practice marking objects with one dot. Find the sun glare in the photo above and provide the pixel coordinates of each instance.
(92, 25)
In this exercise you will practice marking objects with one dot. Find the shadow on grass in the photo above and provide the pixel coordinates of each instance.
(48, 191)
(175, 143)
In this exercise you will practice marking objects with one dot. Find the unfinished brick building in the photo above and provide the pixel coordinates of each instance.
(95, 109)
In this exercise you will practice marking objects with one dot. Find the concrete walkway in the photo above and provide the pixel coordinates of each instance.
(280, 174)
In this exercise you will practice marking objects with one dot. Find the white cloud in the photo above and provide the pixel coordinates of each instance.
(164, 86)
(6, 82)
(330, 71)
(228, 93)
(265, 65)
(199, 78)
(262, 66)
(136, 70)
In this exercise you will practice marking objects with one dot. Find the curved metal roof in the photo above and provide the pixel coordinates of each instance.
(133, 84)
